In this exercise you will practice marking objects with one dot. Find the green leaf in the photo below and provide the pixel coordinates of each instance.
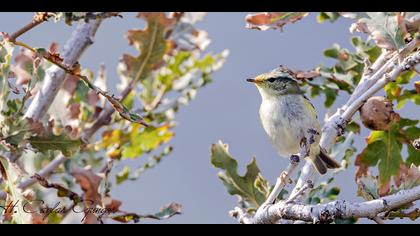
(249, 187)
(330, 96)
(146, 140)
(383, 149)
(57, 143)
(344, 149)
(413, 156)
(123, 175)
(332, 193)
(330, 16)
(412, 133)
(332, 52)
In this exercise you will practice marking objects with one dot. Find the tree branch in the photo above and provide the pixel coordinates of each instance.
(383, 71)
(44, 173)
(38, 19)
(328, 212)
(80, 39)
(337, 122)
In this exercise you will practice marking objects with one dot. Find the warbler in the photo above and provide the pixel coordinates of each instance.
(289, 118)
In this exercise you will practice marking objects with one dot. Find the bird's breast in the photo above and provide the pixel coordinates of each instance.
(284, 120)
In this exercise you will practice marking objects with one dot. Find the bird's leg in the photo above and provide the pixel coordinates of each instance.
(282, 180)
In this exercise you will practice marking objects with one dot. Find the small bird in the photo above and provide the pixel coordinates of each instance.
(289, 118)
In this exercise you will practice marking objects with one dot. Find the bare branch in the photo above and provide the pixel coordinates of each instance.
(327, 213)
(282, 180)
(383, 71)
(81, 38)
(294, 163)
(301, 191)
(38, 19)
(44, 173)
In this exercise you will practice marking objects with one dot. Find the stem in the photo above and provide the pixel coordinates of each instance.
(39, 18)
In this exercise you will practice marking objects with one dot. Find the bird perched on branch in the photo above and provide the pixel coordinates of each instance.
(290, 119)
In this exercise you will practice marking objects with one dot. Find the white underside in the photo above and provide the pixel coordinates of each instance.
(286, 121)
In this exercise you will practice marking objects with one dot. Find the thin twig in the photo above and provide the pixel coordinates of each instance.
(38, 18)
(301, 191)
(75, 71)
(282, 180)
(157, 100)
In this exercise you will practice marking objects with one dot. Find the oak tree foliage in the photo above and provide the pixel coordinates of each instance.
(389, 160)
(169, 66)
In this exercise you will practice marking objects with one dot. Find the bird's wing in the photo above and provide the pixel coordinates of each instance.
(310, 107)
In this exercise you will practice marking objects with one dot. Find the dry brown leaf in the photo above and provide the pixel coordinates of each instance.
(112, 205)
(89, 182)
(93, 98)
(35, 126)
(53, 48)
(70, 84)
(23, 61)
(272, 20)
(73, 111)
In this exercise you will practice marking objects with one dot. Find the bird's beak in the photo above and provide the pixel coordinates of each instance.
(257, 80)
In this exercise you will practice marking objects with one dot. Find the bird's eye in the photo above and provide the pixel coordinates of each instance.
(271, 80)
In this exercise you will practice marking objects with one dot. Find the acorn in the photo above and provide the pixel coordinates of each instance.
(377, 113)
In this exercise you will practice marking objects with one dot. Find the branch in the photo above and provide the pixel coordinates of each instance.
(75, 71)
(368, 86)
(38, 19)
(80, 39)
(383, 71)
(44, 173)
(282, 180)
(327, 213)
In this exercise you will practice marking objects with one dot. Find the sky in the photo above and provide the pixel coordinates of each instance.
(226, 109)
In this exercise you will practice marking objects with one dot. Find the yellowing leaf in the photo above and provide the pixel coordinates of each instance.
(383, 149)
(146, 140)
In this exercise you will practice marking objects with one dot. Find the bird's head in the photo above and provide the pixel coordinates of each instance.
(276, 83)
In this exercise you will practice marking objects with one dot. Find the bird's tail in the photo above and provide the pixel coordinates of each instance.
(322, 162)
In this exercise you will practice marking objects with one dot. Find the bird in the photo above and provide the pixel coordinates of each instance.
(289, 118)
